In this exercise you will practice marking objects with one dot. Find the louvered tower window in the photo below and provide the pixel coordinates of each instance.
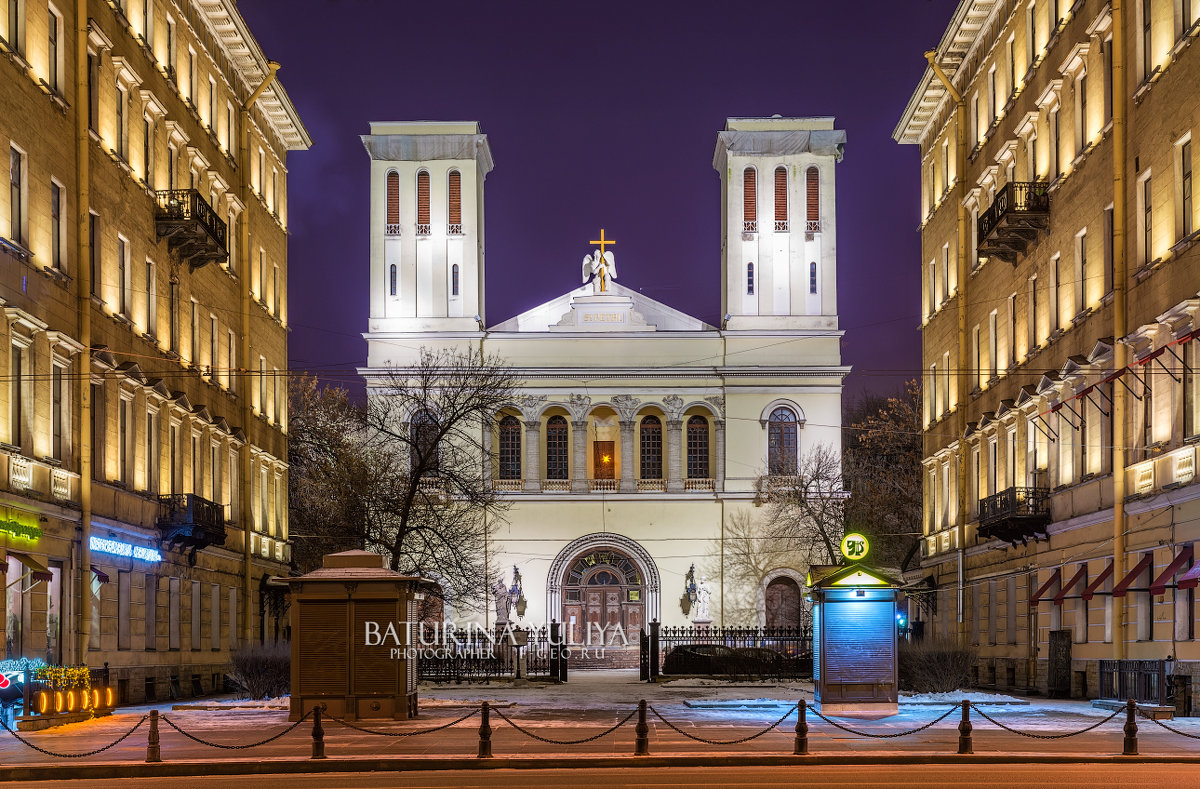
(697, 448)
(392, 280)
(556, 448)
(454, 280)
(393, 204)
(781, 205)
(651, 448)
(812, 190)
(812, 277)
(510, 448)
(423, 203)
(749, 279)
(749, 200)
(454, 213)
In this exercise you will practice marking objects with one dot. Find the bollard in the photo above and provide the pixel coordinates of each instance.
(964, 729)
(318, 733)
(801, 746)
(153, 750)
(1131, 729)
(485, 733)
(642, 743)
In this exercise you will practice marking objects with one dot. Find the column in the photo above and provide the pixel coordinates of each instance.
(579, 482)
(674, 456)
(533, 456)
(628, 485)
(719, 471)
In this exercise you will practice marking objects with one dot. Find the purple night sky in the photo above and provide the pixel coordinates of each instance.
(603, 115)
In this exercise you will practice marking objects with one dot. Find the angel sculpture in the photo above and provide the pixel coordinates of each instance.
(598, 268)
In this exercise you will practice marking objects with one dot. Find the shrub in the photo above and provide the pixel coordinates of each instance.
(934, 666)
(263, 672)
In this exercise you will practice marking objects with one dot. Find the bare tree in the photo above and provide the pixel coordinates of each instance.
(750, 550)
(806, 511)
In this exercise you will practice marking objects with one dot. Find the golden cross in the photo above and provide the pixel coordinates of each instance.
(603, 242)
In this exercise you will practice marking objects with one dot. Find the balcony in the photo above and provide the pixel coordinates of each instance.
(191, 227)
(698, 485)
(190, 522)
(603, 485)
(1019, 213)
(1015, 515)
(556, 486)
(507, 485)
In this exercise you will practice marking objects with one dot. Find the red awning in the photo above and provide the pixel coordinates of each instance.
(36, 569)
(1037, 598)
(103, 576)
(1062, 593)
(1108, 379)
(1159, 584)
(1120, 589)
(1188, 580)
(1090, 592)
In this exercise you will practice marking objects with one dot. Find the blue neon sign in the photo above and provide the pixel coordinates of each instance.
(101, 545)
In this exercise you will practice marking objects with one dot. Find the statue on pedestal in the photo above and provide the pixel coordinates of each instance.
(703, 596)
(503, 601)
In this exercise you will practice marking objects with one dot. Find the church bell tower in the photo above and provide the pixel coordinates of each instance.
(427, 225)
(778, 223)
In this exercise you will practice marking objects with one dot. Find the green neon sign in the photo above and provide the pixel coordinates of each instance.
(21, 530)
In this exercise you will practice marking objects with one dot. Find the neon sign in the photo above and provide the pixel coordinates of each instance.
(855, 546)
(22, 530)
(101, 545)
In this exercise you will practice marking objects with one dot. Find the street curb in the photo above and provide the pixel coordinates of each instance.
(93, 771)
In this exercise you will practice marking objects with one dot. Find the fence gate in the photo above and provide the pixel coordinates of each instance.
(1058, 680)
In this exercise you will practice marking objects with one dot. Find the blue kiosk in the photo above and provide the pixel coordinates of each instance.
(854, 635)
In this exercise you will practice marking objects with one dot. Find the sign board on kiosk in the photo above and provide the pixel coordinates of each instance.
(854, 634)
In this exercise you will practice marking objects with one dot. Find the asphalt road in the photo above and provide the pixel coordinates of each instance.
(1016, 776)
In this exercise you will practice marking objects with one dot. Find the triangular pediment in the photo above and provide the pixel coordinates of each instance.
(658, 316)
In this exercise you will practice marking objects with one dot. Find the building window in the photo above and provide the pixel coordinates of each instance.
(1107, 284)
(1147, 222)
(424, 454)
(1187, 220)
(124, 635)
(510, 448)
(392, 227)
(1082, 97)
(275, 289)
(392, 279)
(214, 345)
(151, 611)
(16, 24)
(749, 279)
(152, 452)
(124, 455)
(1147, 409)
(1055, 150)
(1081, 272)
(53, 33)
(262, 386)
(122, 277)
(749, 200)
(122, 131)
(148, 151)
(1147, 40)
(1191, 390)
(423, 203)
(781, 200)
(57, 227)
(454, 212)
(993, 347)
(454, 280)
(59, 415)
(195, 351)
(151, 299)
(782, 442)
(230, 360)
(651, 448)
(697, 448)
(16, 195)
(173, 314)
(812, 193)
(212, 105)
(556, 448)
(812, 277)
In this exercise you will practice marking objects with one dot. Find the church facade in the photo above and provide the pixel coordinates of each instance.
(636, 447)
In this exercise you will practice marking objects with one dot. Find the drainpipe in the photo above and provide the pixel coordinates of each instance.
(248, 380)
(963, 272)
(1120, 329)
(83, 278)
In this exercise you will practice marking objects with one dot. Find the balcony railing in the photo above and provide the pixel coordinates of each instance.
(696, 485)
(603, 485)
(651, 485)
(1015, 515)
(1019, 213)
(750, 226)
(781, 226)
(191, 227)
(392, 229)
(422, 228)
(508, 485)
(191, 521)
(556, 485)
(812, 226)
(454, 229)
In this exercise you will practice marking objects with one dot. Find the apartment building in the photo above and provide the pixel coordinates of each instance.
(1061, 292)
(143, 278)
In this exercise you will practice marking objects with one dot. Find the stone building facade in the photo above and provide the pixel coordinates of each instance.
(143, 266)
(1060, 310)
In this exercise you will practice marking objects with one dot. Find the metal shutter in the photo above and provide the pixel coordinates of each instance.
(455, 197)
(323, 653)
(422, 198)
(859, 642)
(813, 190)
(393, 198)
(781, 212)
(374, 667)
(750, 195)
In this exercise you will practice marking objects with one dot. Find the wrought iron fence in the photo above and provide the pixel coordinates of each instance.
(731, 652)
(1015, 197)
(1144, 681)
(482, 657)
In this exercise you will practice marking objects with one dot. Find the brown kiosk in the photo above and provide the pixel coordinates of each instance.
(350, 629)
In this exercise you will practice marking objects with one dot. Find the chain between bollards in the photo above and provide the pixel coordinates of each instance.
(318, 733)
(485, 733)
(642, 743)
(153, 749)
(1131, 730)
(801, 746)
(964, 729)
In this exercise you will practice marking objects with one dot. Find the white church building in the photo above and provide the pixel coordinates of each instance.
(640, 433)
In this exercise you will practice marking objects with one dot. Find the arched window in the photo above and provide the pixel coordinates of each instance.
(697, 448)
(556, 448)
(813, 198)
(651, 448)
(454, 280)
(423, 203)
(749, 200)
(781, 197)
(454, 212)
(812, 277)
(510, 448)
(749, 279)
(424, 449)
(781, 442)
(392, 279)
(393, 203)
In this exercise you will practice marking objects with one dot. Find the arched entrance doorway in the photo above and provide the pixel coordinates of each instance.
(783, 602)
(603, 599)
